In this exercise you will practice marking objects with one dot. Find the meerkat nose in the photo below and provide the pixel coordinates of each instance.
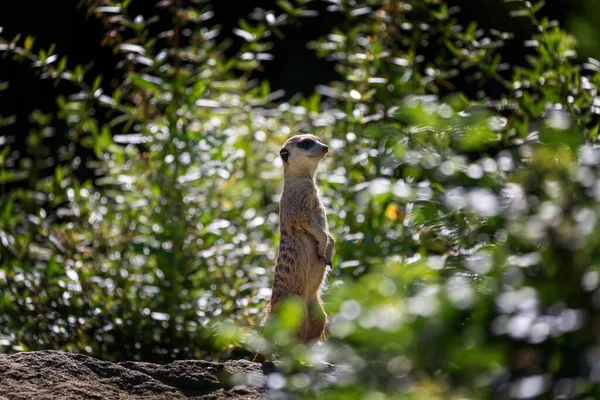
(325, 149)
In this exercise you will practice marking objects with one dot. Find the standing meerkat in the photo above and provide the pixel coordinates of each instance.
(305, 246)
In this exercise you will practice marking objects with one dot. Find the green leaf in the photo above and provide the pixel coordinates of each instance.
(58, 174)
(97, 83)
(265, 88)
(286, 6)
(103, 141)
(146, 81)
(537, 6)
(28, 44)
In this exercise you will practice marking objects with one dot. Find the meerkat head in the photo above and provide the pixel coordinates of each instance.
(301, 154)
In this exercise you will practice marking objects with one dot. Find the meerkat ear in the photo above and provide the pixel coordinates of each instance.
(285, 154)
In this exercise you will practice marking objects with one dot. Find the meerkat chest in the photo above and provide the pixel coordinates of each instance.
(300, 202)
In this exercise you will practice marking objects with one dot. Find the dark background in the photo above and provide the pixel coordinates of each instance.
(294, 69)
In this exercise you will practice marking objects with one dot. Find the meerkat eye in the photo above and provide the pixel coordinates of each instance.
(285, 154)
(305, 144)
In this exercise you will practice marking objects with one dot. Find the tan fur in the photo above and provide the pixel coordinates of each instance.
(306, 245)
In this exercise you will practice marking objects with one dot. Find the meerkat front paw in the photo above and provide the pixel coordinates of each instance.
(324, 259)
(320, 255)
(329, 249)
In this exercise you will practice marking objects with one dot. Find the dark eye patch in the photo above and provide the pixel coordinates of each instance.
(285, 154)
(305, 144)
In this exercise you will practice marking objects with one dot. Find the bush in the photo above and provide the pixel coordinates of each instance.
(466, 261)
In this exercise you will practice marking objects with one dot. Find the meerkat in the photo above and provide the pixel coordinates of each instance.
(306, 245)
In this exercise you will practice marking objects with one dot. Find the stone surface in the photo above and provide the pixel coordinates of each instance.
(57, 375)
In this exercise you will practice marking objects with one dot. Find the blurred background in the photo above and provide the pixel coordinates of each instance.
(139, 184)
(294, 67)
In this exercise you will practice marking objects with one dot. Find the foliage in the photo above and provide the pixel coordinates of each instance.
(466, 229)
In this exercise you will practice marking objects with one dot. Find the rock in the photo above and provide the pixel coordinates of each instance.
(58, 375)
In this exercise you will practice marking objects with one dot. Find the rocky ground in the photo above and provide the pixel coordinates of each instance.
(58, 375)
